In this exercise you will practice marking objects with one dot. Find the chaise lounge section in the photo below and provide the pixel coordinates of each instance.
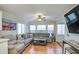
(17, 45)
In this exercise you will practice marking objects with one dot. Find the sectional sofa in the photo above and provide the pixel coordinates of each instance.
(17, 45)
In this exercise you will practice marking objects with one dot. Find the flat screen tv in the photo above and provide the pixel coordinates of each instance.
(72, 20)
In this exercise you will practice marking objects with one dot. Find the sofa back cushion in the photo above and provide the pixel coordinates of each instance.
(12, 39)
(40, 34)
(20, 37)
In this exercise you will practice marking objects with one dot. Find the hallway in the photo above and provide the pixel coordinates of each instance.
(50, 48)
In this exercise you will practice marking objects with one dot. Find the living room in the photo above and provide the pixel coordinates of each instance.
(35, 29)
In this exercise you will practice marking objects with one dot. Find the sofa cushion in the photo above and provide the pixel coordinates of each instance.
(12, 42)
(19, 46)
(19, 41)
(24, 36)
(12, 39)
(11, 46)
(26, 41)
(20, 37)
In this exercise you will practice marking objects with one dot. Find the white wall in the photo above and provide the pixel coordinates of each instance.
(0, 14)
(15, 19)
(59, 38)
(0, 20)
(27, 29)
(42, 22)
(71, 36)
(67, 36)
(10, 17)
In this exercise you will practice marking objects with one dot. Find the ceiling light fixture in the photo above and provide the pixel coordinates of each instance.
(40, 18)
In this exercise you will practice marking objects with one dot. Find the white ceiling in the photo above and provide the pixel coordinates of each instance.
(26, 12)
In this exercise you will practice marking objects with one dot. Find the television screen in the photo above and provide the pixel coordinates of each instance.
(72, 20)
(72, 16)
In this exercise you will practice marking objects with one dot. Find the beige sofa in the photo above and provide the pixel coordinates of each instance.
(40, 38)
(17, 46)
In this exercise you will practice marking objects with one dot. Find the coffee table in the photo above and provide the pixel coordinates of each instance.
(40, 41)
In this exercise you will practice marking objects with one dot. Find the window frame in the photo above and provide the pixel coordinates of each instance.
(30, 27)
(61, 29)
(44, 29)
(21, 28)
(50, 30)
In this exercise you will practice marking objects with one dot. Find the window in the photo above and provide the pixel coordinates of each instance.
(21, 28)
(50, 28)
(32, 28)
(61, 29)
(41, 27)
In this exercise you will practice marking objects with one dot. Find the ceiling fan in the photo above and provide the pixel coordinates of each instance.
(41, 18)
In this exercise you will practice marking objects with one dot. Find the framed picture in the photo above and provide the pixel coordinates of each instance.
(8, 24)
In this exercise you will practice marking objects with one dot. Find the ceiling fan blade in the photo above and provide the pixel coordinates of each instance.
(44, 18)
(39, 16)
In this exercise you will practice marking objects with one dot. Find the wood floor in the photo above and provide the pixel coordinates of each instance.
(50, 48)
